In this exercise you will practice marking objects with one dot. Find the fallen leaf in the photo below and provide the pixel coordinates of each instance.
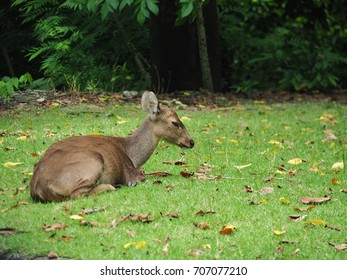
(160, 174)
(76, 217)
(227, 230)
(173, 215)
(54, 227)
(341, 247)
(297, 218)
(292, 172)
(15, 206)
(87, 211)
(166, 249)
(202, 225)
(338, 165)
(66, 238)
(203, 213)
(178, 162)
(316, 222)
(138, 245)
(195, 252)
(86, 223)
(295, 161)
(144, 218)
(283, 200)
(278, 232)
(131, 233)
(239, 167)
(267, 190)
(10, 164)
(186, 174)
(343, 190)
(121, 219)
(312, 200)
(248, 189)
(305, 209)
(268, 180)
(334, 228)
(9, 231)
(21, 138)
(170, 188)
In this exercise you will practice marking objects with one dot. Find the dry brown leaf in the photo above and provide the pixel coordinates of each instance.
(341, 247)
(202, 225)
(143, 218)
(297, 218)
(186, 174)
(267, 190)
(66, 238)
(9, 231)
(86, 223)
(160, 174)
(195, 252)
(313, 200)
(173, 215)
(170, 188)
(203, 213)
(248, 189)
(268, 180)
(86, 211)
(334, 228)
(54, 227)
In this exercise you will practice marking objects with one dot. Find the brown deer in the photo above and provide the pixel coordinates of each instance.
(88, 165)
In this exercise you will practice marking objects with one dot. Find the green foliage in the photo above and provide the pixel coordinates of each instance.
(9, 85)
(268, 45)
(81, 41)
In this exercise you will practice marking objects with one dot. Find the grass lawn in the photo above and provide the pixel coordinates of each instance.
(252, 165)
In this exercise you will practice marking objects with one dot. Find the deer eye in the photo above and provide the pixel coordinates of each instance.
(176, 124)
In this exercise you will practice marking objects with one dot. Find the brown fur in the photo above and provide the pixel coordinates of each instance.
(85, 165)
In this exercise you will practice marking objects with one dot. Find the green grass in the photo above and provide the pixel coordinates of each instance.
(224, 139)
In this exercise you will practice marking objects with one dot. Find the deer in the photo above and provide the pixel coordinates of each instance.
(88, 165)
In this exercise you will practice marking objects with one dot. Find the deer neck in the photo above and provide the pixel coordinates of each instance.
(142, 143)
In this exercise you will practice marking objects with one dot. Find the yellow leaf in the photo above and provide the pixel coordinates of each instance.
(186, 93)
(338, 165)
(233, 141)
(10, 164)
(129, 244)
(95, 134)
(259, 102)
(21, 138)
(281, 172)
(242, 166)
(278, 232)
(316, 222)
(140, 244)
(295, 161)
(275, 142)
(184, 118)
(122, 122)
(76, 217)
(263, 201)
(206, 246)
(55, 105)
(1, 140)
(283, 200)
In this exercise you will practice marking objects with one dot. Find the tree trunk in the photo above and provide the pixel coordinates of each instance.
(7, 58)
(174, 50)
(206, 75)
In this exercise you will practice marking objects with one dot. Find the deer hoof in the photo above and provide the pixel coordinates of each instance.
(132, 183)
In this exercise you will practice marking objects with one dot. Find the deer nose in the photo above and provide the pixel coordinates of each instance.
(191, 143)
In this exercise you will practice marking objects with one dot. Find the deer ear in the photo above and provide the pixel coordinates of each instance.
(150, 104)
